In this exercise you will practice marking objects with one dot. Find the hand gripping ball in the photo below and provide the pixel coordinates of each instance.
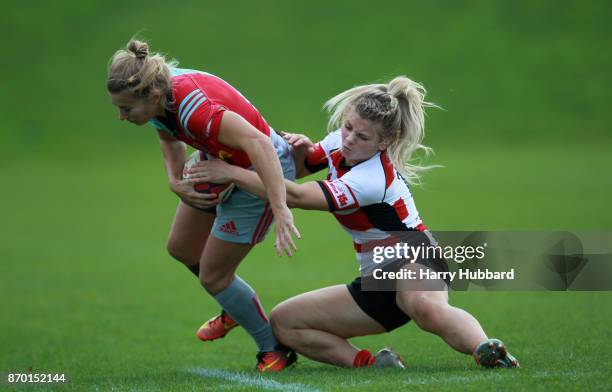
(223, 191)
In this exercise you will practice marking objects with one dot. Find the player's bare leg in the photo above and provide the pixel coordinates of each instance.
(188, 235)
(431, 311)
(318, 323)
(218, 264)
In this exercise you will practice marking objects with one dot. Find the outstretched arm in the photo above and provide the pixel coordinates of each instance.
(307, 196)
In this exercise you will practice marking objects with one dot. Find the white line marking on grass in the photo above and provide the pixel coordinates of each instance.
(250, 380)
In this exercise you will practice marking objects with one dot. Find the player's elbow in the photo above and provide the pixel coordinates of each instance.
(293, 199)
(257, 142)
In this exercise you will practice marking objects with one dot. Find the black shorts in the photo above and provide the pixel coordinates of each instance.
(378, 300)
(380, 305)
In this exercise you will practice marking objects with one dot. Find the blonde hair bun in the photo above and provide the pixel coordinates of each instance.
(140, 49)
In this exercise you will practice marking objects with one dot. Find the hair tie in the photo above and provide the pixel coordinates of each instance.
(141, 53)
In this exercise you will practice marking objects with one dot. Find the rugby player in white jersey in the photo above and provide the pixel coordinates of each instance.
(380, 128)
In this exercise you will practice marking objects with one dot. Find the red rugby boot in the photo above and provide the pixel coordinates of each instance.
(216, 328)
(275, 361)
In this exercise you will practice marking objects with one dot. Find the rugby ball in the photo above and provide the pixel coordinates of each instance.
(223, 191)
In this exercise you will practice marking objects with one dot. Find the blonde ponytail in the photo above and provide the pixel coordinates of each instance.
(411, 112)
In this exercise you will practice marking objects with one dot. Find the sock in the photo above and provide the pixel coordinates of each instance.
(241, 303)
(363, 358)
(195, 269)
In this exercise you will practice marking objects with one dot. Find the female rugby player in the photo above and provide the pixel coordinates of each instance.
(205, 112)
(381, 126)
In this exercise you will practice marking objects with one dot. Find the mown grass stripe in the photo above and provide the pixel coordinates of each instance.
(250, 380)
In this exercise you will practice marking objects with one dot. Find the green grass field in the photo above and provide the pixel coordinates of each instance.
(88, 290)
(86, 286)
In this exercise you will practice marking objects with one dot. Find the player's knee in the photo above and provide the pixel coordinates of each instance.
(280, 321)
(213, 281)
(277, 319)
(181, 254)
(427, 312)
(175, 251)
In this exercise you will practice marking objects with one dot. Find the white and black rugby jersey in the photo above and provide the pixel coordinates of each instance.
(369, 199)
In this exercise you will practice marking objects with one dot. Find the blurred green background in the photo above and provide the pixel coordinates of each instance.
(524, 138)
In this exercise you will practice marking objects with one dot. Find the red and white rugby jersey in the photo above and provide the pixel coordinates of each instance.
(369, 199)
(199, 102)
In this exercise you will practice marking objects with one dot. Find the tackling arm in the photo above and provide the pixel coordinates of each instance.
(307, 196)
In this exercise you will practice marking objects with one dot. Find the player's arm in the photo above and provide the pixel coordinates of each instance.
(236, 132)
(173, 152)
(307, 196)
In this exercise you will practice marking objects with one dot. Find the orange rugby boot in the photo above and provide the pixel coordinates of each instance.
(493, 354)
(216, 328)
(275, 361)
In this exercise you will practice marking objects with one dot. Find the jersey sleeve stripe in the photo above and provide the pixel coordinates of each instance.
(208, 126)
(197, 104)
(328, 196)
(183, 114)
(186, 99)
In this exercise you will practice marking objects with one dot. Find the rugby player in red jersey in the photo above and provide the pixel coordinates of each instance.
(381, 126)
(212, 238)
